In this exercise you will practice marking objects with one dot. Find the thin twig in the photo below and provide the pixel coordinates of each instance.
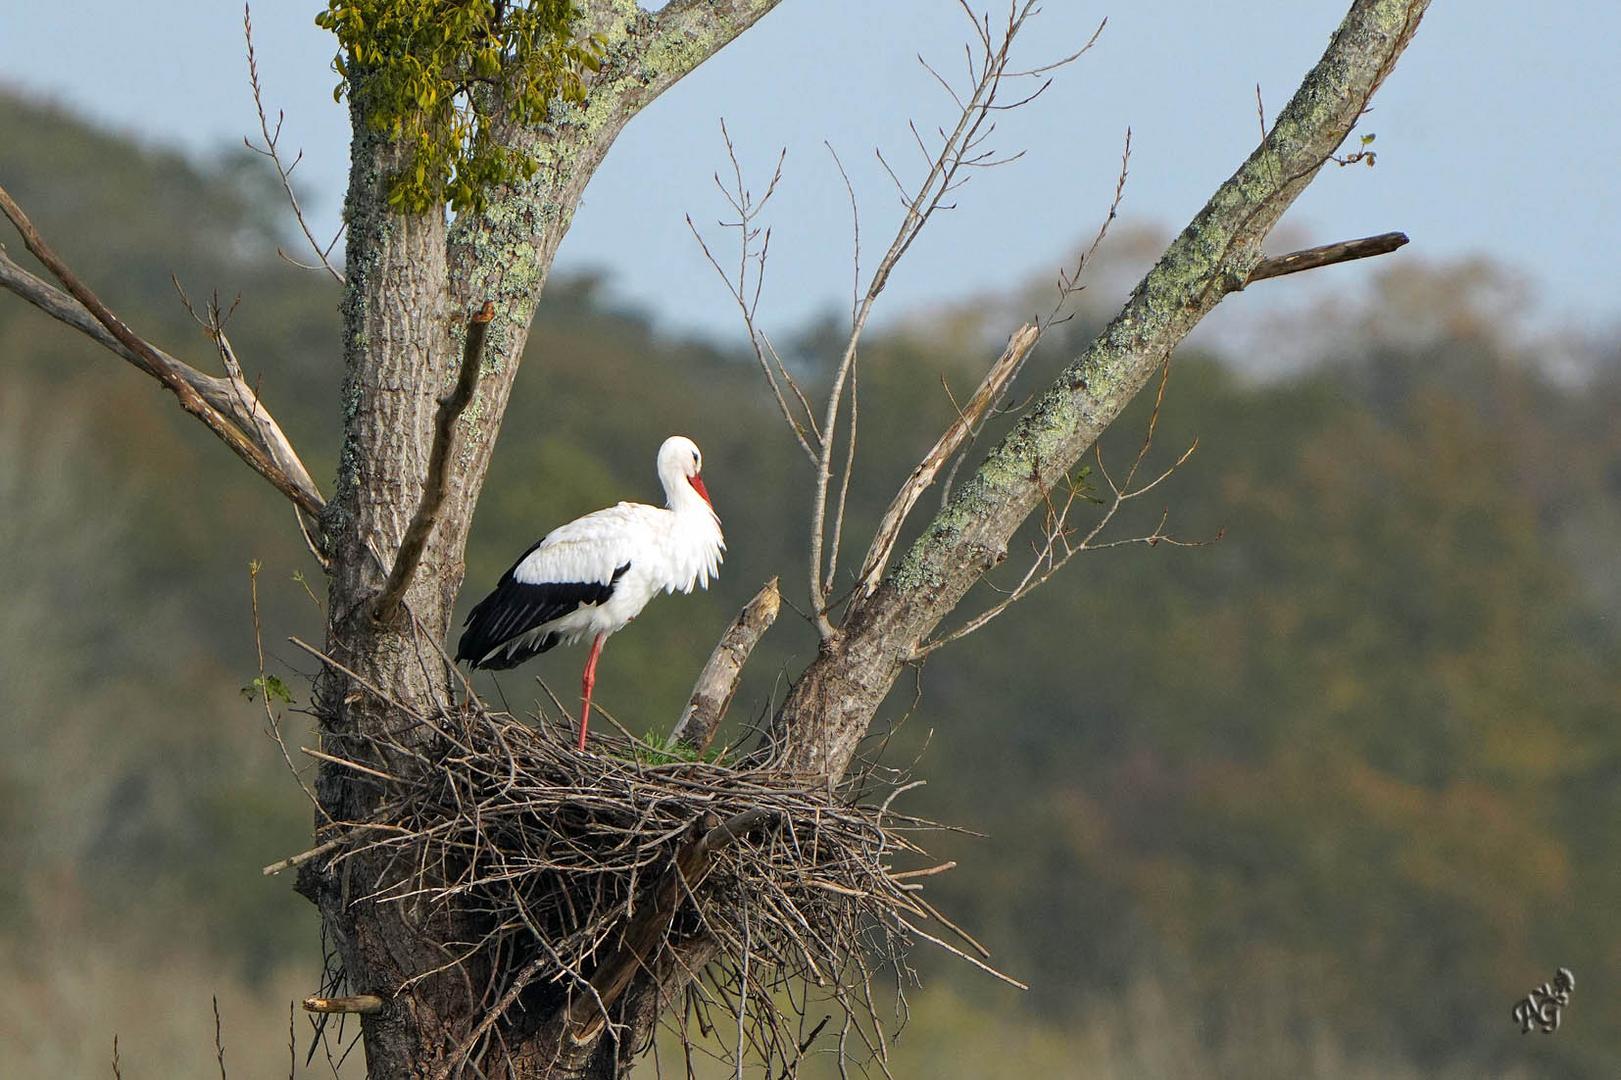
(271, 151)
(264, 692)
(333, 759)
(961, 149)
(219, 1039)
(748, 210)
(1059, 546)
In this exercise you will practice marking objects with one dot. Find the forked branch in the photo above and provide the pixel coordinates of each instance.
(745, 286)
(831, 707)
(962, 150)
(1059, 542)
(282, 469)
(231, 396)
(437, 484)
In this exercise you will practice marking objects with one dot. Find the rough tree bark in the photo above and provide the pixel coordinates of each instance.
(412, 284)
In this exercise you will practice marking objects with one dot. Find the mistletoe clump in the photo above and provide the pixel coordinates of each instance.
(434, 73)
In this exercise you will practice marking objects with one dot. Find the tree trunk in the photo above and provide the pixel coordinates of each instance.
(412, 284)
(406, 308)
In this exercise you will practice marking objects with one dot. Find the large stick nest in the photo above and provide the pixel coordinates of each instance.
(559, 878)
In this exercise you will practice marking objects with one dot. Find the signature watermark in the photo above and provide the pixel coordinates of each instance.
(1540, 1008)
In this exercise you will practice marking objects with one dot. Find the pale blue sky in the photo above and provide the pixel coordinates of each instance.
(1497, 134)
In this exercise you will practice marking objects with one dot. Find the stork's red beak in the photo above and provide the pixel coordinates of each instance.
(697, 483)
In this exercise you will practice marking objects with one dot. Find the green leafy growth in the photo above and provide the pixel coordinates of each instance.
(435, 73)
(271, 687)
(666, 750)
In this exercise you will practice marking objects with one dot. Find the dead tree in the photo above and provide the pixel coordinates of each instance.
(435, 320)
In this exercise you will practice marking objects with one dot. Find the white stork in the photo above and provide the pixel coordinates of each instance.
(592, 576)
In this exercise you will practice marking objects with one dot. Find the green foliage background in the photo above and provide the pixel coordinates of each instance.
(1323, 798)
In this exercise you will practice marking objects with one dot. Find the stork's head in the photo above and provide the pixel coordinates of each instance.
(680, 466)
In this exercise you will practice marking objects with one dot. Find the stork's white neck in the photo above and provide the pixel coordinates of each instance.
(680, 496)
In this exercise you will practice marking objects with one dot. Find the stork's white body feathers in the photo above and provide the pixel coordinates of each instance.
(591, 577)
(658, 549)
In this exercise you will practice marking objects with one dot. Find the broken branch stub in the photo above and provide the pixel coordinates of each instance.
(717, 682)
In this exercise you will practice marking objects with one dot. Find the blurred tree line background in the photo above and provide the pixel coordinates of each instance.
(1323, 798)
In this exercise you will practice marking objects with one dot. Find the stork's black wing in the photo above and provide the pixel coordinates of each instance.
(515, 608)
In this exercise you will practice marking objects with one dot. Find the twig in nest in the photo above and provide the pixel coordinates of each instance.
(576, 876)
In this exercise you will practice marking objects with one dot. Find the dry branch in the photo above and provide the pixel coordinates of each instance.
(1326, 255)
(717, 682)
(831, 707)
(231, 397)
(437, 485)
(271, 150)
(162, 367)
(354, 1003)
(990, 390)
(962, 150)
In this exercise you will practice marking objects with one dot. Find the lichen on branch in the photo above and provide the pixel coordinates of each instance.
(439, 74)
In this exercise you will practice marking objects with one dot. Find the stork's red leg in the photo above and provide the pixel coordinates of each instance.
(587, 683)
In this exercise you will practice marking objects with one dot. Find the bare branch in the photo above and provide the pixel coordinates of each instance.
(271, 151)
(831, 706)
(717, 682)
(354, 1003)
(1069, 281)
(228, 396)
(1326, 255)
(160, 366)
(990, 390)
(1058, 546)
(1066, 61)
(437, 484)
(960, 149)
(219, 1039)
(747, 297)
